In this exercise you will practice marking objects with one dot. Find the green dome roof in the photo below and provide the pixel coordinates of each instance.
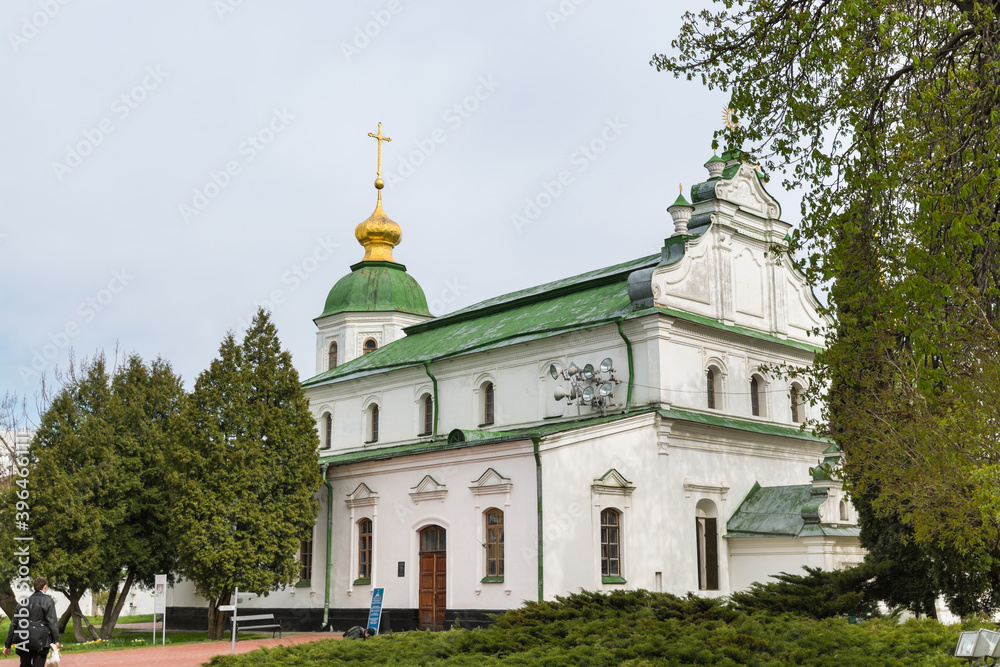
(375, 286)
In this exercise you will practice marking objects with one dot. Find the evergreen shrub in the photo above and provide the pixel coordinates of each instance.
(638, 628)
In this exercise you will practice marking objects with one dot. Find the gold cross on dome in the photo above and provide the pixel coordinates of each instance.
(380, 139)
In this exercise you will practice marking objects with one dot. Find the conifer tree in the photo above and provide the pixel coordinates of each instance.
(96, 483)
(245, 472)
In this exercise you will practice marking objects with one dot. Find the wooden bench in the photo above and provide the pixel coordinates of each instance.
(256, 622)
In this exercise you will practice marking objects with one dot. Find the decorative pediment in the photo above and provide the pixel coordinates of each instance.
(491, 482)
(613, 482)
(362, 496)
(719, 490)
(428, 489)
(745, 189)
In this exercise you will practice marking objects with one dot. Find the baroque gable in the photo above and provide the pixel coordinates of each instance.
(746, 191)
(727, 262)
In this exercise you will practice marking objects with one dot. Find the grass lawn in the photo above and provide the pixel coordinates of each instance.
(122, 639)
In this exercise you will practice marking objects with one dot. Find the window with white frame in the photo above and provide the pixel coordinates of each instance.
(707, 545)
(710, 386)
(305, 559)
(372, 423)
(494, 543)
(487, 403)
(758, 396)
(611, 499)
(796, 404)
(365, 551)
(611, 543)
(427, 414)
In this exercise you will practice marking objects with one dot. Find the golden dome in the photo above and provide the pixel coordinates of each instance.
(379, 234)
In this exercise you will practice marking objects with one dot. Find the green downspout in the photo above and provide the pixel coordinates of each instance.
(631, 372)
(538, 490)
(329, 544)
(427, 367)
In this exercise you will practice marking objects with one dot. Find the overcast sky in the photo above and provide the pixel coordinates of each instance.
(169, 165)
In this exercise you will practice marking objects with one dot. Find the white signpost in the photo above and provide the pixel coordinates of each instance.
(232, 607)
(160, 604)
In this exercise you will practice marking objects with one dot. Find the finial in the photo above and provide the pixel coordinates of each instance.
(379, 183)
(729, 118)
(681, 212)
(379, 234)
(715, 166)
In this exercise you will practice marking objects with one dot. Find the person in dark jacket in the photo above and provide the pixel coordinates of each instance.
(41, 609)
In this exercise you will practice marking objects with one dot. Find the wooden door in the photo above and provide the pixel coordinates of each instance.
(433, 577)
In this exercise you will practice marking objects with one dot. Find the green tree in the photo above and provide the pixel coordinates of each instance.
(887, 114)
(99, 515)
(245, 472)
(147, 404)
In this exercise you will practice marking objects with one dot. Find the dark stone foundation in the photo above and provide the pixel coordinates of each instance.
(311, 620)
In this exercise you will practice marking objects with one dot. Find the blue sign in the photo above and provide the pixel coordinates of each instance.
(375, 613)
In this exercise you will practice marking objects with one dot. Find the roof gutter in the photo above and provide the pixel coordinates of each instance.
(631, 370)
(329, 545)
(535, 440)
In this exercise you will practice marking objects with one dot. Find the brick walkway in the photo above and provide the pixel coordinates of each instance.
(185, 655)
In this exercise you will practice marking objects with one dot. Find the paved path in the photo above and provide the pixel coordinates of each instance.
(184, 655)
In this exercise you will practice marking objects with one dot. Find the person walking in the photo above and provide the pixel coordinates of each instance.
(41, 609)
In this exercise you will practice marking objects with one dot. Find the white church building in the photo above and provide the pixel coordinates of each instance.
(459, 483)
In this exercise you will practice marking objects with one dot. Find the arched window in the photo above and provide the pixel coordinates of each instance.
(305, 559)
(373, 423)
(710, 385)
(843, 511)
(754, 396)
(369, 346)
(428, 404)
(794, 396)
(328, 432)
(707, 544)
(365, 550)
(611, 543)
(489, 403)
(494, 542)
(332, 360)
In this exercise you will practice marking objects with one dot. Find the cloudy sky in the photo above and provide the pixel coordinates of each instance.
(169, 165)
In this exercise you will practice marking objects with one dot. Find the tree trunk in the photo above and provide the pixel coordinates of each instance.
(114, 607)
(64, 619)
(216, 618)
(79, 632)
(8, 601)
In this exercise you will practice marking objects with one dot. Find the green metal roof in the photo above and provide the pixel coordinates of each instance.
(784, 511)
(376, 286)
(580, 302)
(460, 438)
(753, 426)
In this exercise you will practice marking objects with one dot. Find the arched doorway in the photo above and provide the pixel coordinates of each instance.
(432, 578)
